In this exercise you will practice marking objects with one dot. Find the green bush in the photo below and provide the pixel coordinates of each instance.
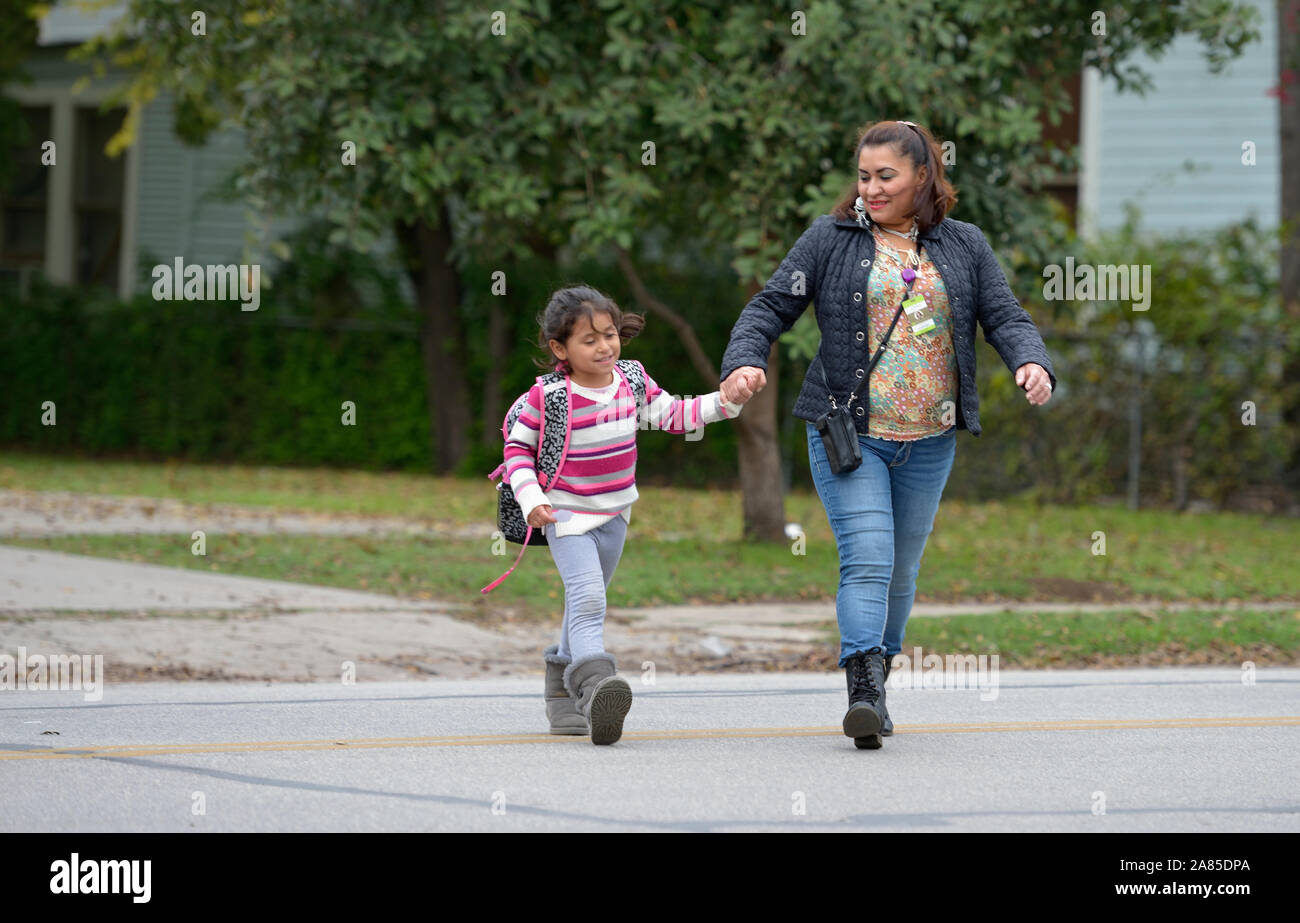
(208, 382)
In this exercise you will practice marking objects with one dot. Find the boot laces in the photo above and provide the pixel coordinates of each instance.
(864, 681)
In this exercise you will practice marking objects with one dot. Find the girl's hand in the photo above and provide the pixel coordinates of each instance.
(541, 516)
(1034, 379)
(743, 383)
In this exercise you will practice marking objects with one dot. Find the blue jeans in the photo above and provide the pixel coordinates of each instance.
(882, 512)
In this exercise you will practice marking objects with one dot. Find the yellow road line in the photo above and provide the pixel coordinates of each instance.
(479, 740)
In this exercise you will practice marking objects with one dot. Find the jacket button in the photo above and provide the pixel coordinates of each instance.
(866, 262)
(858, 373)
(857, 296)
(859, 411)
(859, 336)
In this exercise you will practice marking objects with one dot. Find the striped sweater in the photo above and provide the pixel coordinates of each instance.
(598, 479)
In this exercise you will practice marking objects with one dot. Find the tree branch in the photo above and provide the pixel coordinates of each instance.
(694, 351)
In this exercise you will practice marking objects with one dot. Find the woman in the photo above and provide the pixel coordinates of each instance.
(856, 264)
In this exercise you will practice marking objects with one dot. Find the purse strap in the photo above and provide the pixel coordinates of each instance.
(874, 359)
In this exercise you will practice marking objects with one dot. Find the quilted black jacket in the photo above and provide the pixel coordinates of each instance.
(835, 257)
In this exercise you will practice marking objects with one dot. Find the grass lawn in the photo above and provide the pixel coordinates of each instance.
(683, 545)
(1033, 640)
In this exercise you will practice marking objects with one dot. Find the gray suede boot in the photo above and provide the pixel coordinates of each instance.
(561, 710)
(602, 697)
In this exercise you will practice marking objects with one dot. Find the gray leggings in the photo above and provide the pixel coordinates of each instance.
(586, 563)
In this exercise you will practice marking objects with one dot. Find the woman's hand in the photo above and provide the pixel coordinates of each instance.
(1034, 379)
(541, 516)
(743, 383)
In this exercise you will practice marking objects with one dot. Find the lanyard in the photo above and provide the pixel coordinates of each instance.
(909, 276)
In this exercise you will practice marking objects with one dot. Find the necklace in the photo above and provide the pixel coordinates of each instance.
(865, 221)
(906, 235)
(913, 256)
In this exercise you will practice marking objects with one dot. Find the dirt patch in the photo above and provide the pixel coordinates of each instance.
(125, 673)
(633, 662)
(41, 513)
(1065, 590)
(1164, 655)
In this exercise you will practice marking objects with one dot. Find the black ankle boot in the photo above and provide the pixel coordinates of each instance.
(886, 725)
(865, 675)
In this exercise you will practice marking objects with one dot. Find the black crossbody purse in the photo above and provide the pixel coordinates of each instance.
(839, 436)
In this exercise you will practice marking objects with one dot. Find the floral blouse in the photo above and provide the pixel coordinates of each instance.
(916, 374)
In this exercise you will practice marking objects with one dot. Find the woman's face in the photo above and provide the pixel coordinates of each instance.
(888, 182)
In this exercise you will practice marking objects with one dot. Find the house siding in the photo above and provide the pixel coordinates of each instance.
(1192, 116)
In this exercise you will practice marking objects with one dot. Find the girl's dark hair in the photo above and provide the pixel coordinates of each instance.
(914, 142)
(561, 315)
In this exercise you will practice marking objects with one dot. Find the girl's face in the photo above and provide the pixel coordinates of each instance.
(590, 349)
(888, 183)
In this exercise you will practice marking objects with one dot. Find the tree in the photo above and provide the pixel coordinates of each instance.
(1288, 97)
(17, 38)
(750, 117)
(371, 114)
(727, 124)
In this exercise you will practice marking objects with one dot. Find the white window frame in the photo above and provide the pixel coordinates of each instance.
(1089, 154)
(59, 255)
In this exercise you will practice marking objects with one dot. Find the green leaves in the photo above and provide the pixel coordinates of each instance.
(752, 126)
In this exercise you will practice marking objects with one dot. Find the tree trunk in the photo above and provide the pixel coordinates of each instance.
(499, 349)
(760, 460)
(763, 499)
(1135, 418)
(441, 339)
(1288, 47)
(501, 332)
(1182, 452)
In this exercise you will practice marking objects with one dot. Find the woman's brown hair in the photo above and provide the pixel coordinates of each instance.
(914, 142)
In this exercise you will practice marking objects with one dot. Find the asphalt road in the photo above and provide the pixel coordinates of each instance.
(1168, 749)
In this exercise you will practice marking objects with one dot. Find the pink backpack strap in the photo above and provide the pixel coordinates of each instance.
(497, 582)
(541, 432)
(541, 414)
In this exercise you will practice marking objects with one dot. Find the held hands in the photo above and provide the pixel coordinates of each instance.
(743, 383)
(541, 516)
(1034, 379)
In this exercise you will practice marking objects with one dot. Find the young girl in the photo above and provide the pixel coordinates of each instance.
(585, 511)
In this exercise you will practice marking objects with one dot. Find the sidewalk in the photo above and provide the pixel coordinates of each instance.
(39, 514)
(171, 623)
(151, 621)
